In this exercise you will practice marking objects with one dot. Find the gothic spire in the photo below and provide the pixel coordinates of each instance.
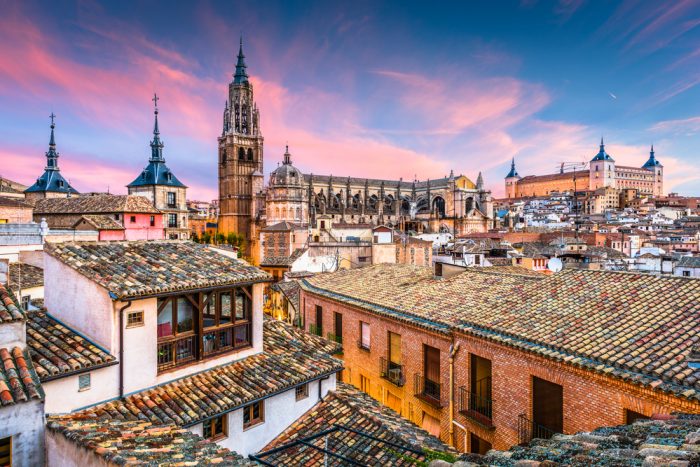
(156, 144)
(51, 154)
(241, 75)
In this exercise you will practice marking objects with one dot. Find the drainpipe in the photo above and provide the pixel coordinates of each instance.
(320, 394)
(121, 347)
(453, 351)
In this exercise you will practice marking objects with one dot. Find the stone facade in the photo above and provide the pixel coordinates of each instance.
(602, 173)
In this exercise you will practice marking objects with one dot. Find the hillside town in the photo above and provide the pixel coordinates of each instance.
(310, 319)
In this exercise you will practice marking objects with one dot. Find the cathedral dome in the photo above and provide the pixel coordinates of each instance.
(286, 174)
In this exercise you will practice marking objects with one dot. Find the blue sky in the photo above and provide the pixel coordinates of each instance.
(379, 89)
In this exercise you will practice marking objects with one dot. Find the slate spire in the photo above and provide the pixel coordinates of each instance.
(156, 143)
(241, 75)
(513, 172)
(51, 154)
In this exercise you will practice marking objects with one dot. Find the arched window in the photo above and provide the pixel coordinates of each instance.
(439, 206)
(250, 154)
(470, 204)
(298, 214)
(277, 213)
(241, 154)
(223, 157)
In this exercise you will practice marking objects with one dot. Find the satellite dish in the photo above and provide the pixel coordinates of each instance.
(555, 265)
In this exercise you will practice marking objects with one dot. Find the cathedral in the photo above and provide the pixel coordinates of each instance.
(450, 204)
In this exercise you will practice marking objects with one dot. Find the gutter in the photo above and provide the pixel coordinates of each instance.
(453, 351)
(121, 347)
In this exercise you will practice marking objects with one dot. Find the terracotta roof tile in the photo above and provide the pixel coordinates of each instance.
(18, 380)
(142, 443)
(348, 407)
(142, 268)
(10, 309)
(636, 327)
(100, 222)
(96, 204)
(56, 350)
(26, 275)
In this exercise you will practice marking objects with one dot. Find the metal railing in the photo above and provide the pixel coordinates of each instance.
(315, 329)
(529, 430)
(176, 352)
(392, 372)
(426, 389)
(476, 407)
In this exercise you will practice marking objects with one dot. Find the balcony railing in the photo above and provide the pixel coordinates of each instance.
(316, 330)
(362, 346)
(220, 340)
(427, 390)
(476, 407)
(176, 352)
(529, 430)
(392, 372)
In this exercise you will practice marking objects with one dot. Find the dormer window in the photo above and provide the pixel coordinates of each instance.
(60, 183)
(169, 176)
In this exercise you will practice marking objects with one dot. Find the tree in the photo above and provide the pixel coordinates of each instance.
(220, 238)
(232, 239)
(206, 238)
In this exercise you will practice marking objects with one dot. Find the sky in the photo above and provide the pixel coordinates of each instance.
(369, 89)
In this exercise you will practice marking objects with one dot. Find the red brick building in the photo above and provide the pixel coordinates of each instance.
(491, 359)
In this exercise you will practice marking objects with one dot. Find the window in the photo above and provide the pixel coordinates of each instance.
(116, 217)
(171, 199)
(215, 428)
(134, 319)
(478, 445)
(364, 335)
(686, 273)
(253, 414)
(632, 416)
(395, 349)
(6, 451)
(84, 382)
(133, 219)
(26, 299)
(318, 327)
(153, 221)
(172, 221)
(301, 392)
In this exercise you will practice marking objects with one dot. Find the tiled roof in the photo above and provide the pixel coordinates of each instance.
(285, 363)
(18, 380)
(283, 226)
(508, 268)
(142, 443)
(291, 290)
(557, 176)
(142, 268)
(350, 408)
(26, 275)
(10, 310)
(97, 204)
(644, 443)
(637, 327)
(689, 262)
(13, 202)
(100, 222)
(57, 350)
(283, 260)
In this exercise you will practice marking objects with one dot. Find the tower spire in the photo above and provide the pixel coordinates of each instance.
(241, 75)
(156, 143)
(513, 172)
(51, 154)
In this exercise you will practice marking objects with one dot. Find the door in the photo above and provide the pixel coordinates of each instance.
(547, 407)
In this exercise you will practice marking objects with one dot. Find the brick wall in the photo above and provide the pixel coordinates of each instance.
(15, 215)
(590, 400)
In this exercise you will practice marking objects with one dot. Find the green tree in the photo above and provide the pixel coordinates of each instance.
(220, 238)
(206, 238)
(232, 239)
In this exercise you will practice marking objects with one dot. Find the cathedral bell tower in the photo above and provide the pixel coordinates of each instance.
(240, 160)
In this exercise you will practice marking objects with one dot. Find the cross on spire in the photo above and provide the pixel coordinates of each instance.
(155, 100)
(52, 116)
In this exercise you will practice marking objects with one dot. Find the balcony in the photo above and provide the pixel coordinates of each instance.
(220, 340)
(426, 390)
(337, 339)
(392, 372)
(475, 407)
(176, 352)
(315, 329)
(529, 430)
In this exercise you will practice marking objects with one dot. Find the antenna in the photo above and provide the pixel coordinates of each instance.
(573, 167)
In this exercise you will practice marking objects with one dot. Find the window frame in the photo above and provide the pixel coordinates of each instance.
(81, 382)
(364, 324)
(215, 434)
(248, 410)
(134, 323)
(7, 440)
(301, 392)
